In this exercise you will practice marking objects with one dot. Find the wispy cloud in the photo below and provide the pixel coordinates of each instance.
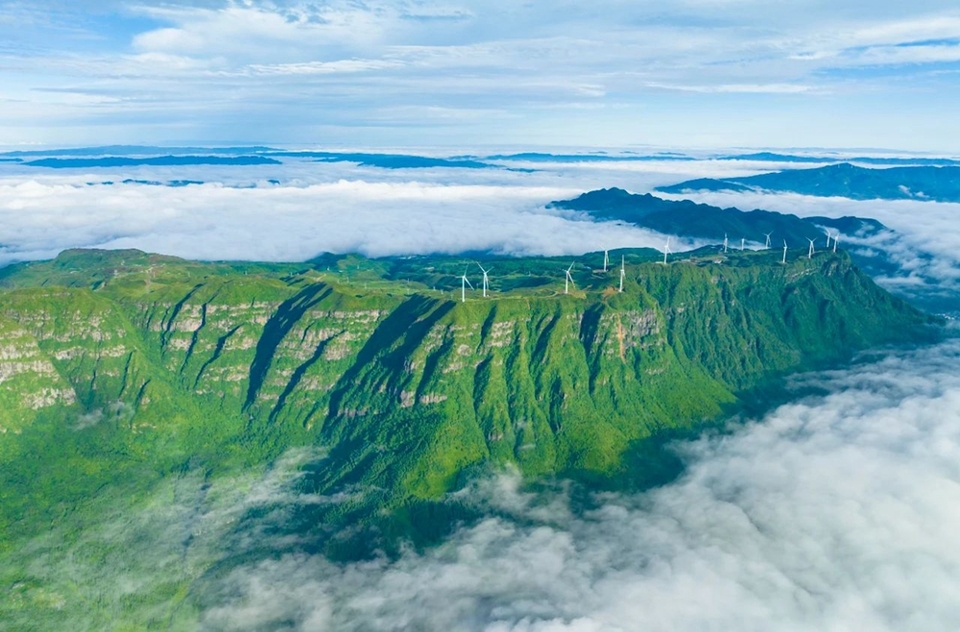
(453, 55)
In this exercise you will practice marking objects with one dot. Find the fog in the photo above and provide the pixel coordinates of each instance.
(836, 512)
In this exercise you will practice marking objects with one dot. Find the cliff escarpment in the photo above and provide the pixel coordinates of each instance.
(126, 366)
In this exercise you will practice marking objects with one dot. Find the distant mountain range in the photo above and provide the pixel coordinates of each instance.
(154, 161)
(765, 156)
(703, 221)
(134, 150)
(105, 155)
(388, 161)
(937, 184)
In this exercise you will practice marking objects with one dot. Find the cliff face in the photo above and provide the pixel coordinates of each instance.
(150, 365)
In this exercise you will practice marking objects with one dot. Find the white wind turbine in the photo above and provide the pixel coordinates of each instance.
(812, 250)
(666, 251)
(606, 260)
(784, 252)
(726, 242)
(486, 279)
(464, 282)
(568, 281)
(828, 238)
(836, 240)
(767, 245)
(623, 272)
(743, 243)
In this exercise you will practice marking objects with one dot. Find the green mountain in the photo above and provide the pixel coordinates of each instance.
(123, 374)
(689, 219)
(928, 183)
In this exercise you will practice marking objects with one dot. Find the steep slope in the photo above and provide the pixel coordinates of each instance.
(174, 364)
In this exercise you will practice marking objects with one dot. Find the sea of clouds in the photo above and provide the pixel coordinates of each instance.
(300, 209)
(838, 511)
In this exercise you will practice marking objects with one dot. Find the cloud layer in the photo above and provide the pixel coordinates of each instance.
(452, 71)
(836, 512)
(317, 207)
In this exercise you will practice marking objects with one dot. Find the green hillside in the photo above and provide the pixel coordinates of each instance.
(122, 371)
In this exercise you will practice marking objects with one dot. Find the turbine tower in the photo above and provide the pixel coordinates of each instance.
(726, 242)
(623, 272)
(767, 245)
(568, 281)
(606, 260)
(828, 239)
(812, 250)
(464, 282)
(784, 252)
(743, 243)
(486, 279)
(666, 251)
(836, 240)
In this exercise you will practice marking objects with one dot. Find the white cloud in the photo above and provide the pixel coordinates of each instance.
(530, 59)
(39, 217)
(835, 512)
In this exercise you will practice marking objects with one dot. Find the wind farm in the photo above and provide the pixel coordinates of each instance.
(527, 277)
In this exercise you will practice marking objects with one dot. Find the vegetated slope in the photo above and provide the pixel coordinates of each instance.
(930, 183)
(161, 364)
(126, 376)
(690, 219)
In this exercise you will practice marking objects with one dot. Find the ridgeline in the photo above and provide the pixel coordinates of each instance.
(119, 369)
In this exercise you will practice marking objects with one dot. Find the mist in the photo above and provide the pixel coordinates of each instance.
(838, 511)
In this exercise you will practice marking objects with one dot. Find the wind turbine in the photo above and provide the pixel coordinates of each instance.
(784, 252)
(568, 281)
(726, 242)
(836, 240)
(767, 245)
(623, 272)
(666, 251)
(743, 243)
(486, 280)
(812, 250)
(464, 282)
(606, 259)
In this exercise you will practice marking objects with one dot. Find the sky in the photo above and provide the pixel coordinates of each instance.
(470, 73)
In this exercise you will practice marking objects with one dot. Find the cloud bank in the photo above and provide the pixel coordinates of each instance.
(836, 512)
(299, 209)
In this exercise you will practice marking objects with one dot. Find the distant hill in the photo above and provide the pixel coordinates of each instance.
(388, 161)
(154, 161)
(690, 219)
(545, 157)
(938, 184)
(765, 156)
(133, 150)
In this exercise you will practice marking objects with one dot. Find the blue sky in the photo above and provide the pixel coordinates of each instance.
(465, 74)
